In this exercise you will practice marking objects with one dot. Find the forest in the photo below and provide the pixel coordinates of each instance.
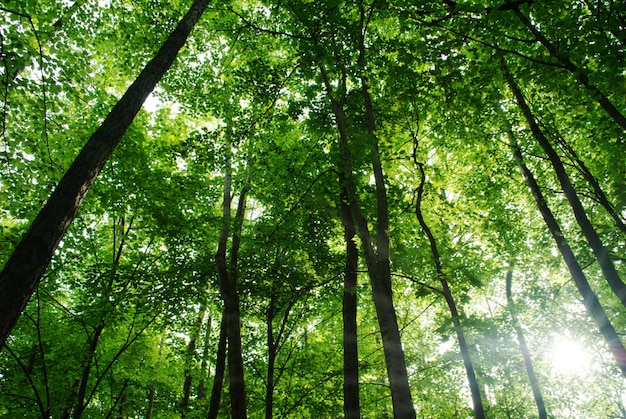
(312, 209)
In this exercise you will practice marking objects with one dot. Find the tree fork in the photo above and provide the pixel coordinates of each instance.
(31, 257)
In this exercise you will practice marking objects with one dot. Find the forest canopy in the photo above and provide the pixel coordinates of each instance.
(312, 209)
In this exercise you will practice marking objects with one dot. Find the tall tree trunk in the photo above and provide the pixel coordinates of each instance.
(601, 253)
(590, 300)
(379, 273)
(228, 287)
(351, 403)
(521, 339)
(218, 378)
(579, 73)
(477, 402)
(32, 255)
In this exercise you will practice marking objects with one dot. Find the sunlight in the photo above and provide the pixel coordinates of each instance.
(568, 356)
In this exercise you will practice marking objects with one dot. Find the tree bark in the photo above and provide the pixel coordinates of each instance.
(351, 403)
(189, 361)
(477, 402)
(521, 339)
(601, 253)
(201, 394)
(29, 260)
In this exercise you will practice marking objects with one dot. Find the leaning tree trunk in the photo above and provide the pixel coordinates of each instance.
(521, 339)
(477, 402)
(590, 300)
(31, 257)
(601, 253)
(579, 73)
(351, 404)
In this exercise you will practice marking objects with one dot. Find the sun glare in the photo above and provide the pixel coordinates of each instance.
(569, 356)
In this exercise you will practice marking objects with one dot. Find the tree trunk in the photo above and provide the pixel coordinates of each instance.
(477, 402)
(32, 255)
(272, 350)
(530, 370)
(601, 253)
(228, 287)
(189, 361)
(590, 300)
(218, 378)
(578, 72)
(351, 403)
(84, 379)
(379, 273)
(204, 363)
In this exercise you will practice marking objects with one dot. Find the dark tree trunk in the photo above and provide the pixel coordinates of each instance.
(590, 300)
(228, 287)
(84, 379)
(351, 403)
(578, 72)
(477, 402)
(601, 253)
(218, 378)
(378, 267)
(528, 362)
(32, 255)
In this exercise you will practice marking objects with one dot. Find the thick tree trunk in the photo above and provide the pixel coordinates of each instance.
(528, 362)
(351, 403)
(579, 73)
(590, 300)
(601, 253)
(477, 402)
(218, 378)
(32, 255)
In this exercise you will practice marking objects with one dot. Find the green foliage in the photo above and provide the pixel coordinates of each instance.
(122, 295)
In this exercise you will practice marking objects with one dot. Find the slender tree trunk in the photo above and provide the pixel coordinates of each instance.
(351, 403)
(204, 363)
(152, 393)
(189, 360)
(477, 402)
(530, 370)
(84, 379)
(228, 287)
(601, 253)
(272, 350)
(218, 378)
(590, 300)
(32, 255)
(379, 273)
(579, 73)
